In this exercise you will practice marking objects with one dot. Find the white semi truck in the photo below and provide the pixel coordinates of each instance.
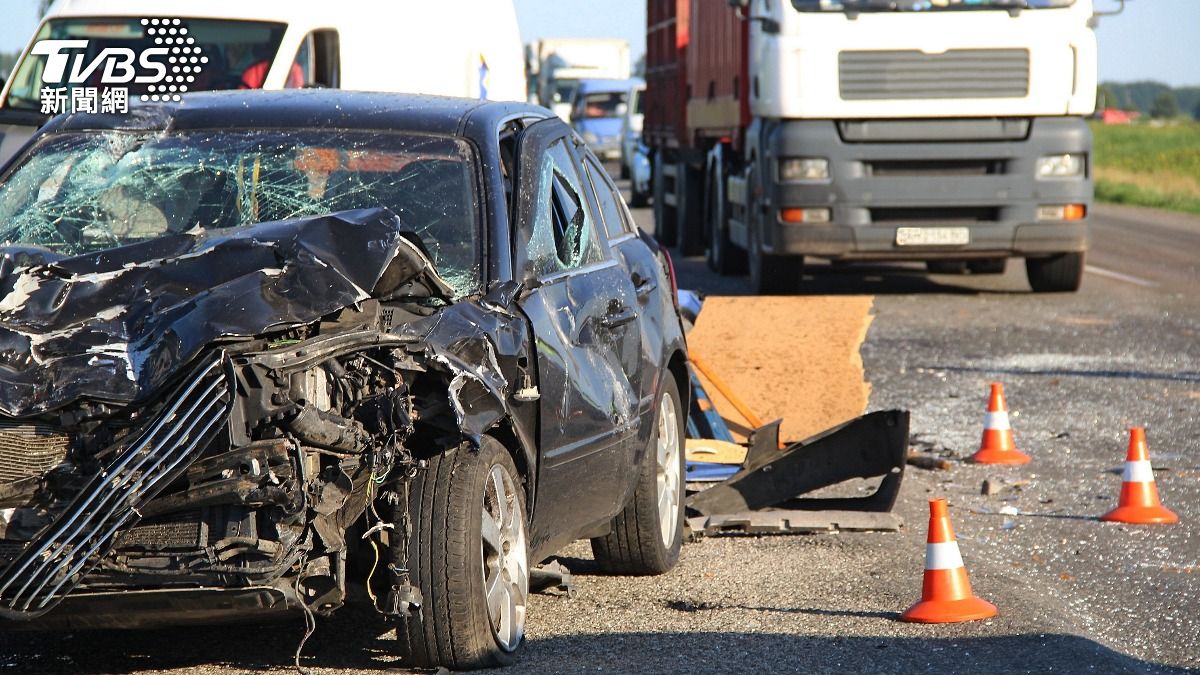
(945, 131)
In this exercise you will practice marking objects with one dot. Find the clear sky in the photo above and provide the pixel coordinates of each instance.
(1152, 40)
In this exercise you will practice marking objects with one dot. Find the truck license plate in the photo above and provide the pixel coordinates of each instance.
(932, 236)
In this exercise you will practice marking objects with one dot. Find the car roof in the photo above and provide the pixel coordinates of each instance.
(301, 108)
(603, 85)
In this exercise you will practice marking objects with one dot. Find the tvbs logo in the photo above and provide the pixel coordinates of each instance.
(78, 83)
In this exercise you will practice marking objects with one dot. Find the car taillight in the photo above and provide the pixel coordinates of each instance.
(674, 281)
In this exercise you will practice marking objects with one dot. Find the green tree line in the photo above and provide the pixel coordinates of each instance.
(1150, 98)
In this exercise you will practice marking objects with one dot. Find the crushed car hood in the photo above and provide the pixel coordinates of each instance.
(115, 325)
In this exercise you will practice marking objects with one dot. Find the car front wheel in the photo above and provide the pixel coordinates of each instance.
(469, 556)
(647, 534)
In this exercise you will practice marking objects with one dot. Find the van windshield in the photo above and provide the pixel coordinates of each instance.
(923, 5)
(600, 104)
(210, 55)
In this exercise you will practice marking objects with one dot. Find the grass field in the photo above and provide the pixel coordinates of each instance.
(1149, 166)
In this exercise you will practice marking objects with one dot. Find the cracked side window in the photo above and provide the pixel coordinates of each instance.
(86, 191)
(564, 234)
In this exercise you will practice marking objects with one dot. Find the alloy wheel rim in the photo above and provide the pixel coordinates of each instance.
(668, 473)
(505, 559)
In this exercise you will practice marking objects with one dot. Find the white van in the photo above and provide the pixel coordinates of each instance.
(469, 48)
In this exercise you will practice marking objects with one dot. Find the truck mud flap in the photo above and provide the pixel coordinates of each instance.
(765, 495)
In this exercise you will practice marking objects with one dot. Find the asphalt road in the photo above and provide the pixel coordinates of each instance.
(1079, 369)
(1074, 594)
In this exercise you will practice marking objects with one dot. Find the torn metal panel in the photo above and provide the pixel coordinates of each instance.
(874, 445)
(115, 325)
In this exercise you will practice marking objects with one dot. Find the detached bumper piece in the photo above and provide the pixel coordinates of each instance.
(54, 562)
(764, 496)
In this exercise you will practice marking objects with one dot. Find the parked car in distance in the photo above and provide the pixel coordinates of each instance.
(598, 113)
(254, 342)
(631, 126)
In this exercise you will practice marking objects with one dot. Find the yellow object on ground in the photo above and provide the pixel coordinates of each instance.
(716, 452)
(790, 358)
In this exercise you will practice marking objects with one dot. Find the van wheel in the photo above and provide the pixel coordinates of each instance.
(469, 556)
(1062, 273)
(647, 534)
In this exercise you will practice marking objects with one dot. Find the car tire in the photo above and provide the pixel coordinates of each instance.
(1062, 273)
(664, 216)
(454, 560)
(624, 169)
(988, 266)
(646, 535)
(638, 199)
(946, 266)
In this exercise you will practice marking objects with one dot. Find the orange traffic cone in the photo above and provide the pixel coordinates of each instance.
(946, 593)
(997, 446)
(1139, 495)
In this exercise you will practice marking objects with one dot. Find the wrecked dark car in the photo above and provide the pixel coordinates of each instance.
(257, 346)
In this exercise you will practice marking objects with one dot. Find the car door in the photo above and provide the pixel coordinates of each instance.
(647, 364)
(581, 306)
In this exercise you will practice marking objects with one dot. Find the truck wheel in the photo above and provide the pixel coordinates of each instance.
(723, 257)
(988, 266)
(1062, 273)
(664, 216)
(469, 556)
(646, 536)
(689, 195)
(946, 266)
(772, 274)
(624, 168)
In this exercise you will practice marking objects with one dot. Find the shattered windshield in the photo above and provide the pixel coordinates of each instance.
(236, 54)
(81, 192)
(923, 5)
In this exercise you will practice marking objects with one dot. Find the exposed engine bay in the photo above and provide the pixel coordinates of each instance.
(241, 467)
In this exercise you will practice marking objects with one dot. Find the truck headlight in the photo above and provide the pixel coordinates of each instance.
(590, 138)
(803, 168)
(1061, 166)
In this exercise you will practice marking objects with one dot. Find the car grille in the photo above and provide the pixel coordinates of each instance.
(30, 450)
(911, 74)
(56, 561)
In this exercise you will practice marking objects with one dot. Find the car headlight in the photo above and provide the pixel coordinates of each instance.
(803, 168)
(590, 138)
(1061, 166)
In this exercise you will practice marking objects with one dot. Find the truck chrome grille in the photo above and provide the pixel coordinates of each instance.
(912, 74)
(57, 559)
(30, 450)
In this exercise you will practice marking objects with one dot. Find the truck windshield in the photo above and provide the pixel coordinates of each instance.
(78, 192)
(923, 5)
(238, 54)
